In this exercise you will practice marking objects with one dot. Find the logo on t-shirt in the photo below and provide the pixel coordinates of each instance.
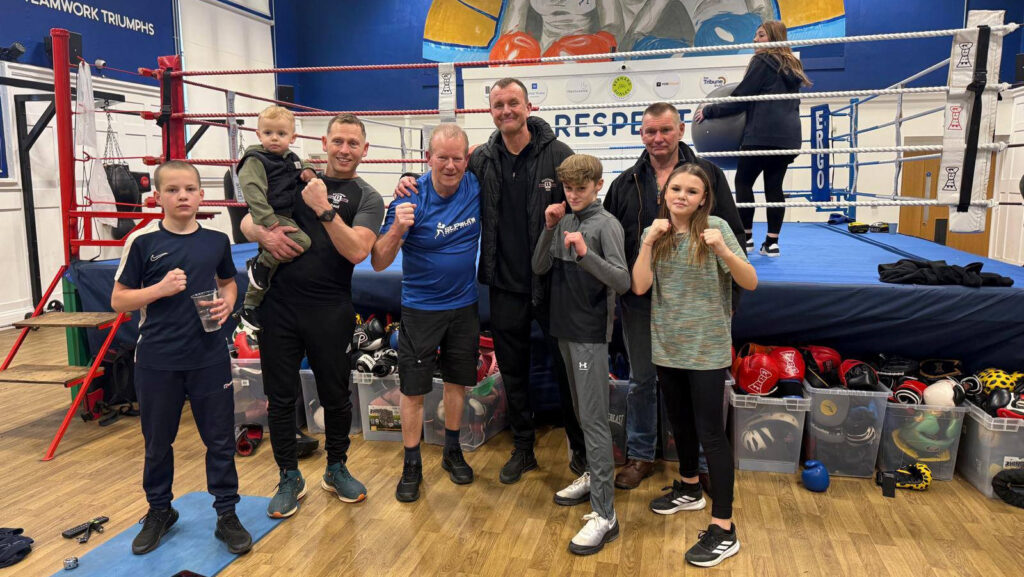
(156, 257)
(337, 199)
(446, 229)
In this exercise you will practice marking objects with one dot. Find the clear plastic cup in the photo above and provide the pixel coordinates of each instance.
(210, 324)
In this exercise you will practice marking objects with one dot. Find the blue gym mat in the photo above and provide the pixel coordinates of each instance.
(189, 544)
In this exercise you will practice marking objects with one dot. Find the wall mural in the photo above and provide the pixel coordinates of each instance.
(462, 30)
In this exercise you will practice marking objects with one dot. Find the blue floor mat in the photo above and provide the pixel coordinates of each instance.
(189, 544)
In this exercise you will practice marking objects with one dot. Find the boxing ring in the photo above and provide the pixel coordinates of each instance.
(825, 290)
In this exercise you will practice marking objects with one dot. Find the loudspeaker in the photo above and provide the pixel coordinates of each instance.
(286, 93)
(74, 48)
(1018, 68)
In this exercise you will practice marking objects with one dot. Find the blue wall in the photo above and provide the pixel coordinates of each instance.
(105, 36)
(391, 31)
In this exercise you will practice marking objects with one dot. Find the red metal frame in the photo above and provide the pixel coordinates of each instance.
(94, 371)
(35, 313)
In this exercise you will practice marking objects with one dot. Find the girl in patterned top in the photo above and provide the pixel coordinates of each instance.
(690, 259)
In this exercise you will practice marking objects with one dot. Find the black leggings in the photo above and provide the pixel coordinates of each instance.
(693, 401)
(747, 170)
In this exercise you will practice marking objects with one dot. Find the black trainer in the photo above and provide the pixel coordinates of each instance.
(259, 273)
(578, 463)
(680, 497)
(521, 461)
(234, 535)
(713, 546)
(409, 485)
(249, 319)
(458, 469)
(771, 249)
(155, 525)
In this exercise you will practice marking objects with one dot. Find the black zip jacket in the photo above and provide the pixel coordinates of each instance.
(546, 153)
(771, 124)
(633, 199)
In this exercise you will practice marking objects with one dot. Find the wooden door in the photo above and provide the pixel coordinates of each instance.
(921, 180)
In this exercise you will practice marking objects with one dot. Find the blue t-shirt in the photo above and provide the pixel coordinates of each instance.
(171, 335)
(440, 250)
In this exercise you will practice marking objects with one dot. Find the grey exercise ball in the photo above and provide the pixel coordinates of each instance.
(720, 133)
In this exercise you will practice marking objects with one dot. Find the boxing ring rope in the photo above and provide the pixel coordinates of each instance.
(1005, 29)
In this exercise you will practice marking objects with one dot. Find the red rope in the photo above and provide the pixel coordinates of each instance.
(245, 128)
(419, 112)
(89, 157)
(255, 97)
(92, 202)
(222, 203)
(107, 67)
(229, 162)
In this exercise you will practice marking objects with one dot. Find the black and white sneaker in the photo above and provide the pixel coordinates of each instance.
(249, 320)
(713, 546)
(769, 249)
(593, 536)
(680, 497)
(259, 274)
(750, 245)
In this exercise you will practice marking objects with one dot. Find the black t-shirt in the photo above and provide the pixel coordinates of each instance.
(171, 335)
(321, 275)
(513, 272)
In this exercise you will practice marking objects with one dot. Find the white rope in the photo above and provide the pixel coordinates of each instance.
(752, 98)
(868, 203)
(997, 146)
(1005, 29)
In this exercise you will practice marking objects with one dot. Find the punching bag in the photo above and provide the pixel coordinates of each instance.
(720, 133)
(236, 213)
(126, 194)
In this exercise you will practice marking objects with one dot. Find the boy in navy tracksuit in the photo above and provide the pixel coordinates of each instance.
(162, 265)
(584, 253)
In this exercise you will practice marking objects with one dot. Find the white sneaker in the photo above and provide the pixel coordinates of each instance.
(594, 534)
(577, 492)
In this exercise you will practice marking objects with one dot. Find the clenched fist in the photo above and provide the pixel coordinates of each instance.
(173, 283)
(553, 214)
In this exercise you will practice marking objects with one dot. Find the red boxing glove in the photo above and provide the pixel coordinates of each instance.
(515, 46)
(791, 364)
(246, 347)
(757, 374)
(580, 44)
(827, 360)
(745, 351)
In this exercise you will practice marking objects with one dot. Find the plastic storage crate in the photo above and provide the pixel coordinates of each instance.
(668, 440)
(250, 401)
(844, 429)
(378, 407)
(314, 414)
(485, 413)
(927, 434)
(767, 432)
(989, 445)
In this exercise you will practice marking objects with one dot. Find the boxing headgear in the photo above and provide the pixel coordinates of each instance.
(891, 368)
(824, 360)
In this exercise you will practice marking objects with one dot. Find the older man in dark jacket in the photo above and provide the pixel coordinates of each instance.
(633, 199)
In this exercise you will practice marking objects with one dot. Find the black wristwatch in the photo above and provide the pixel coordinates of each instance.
(327, 215)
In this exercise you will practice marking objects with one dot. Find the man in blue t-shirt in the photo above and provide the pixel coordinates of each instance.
(439, 232)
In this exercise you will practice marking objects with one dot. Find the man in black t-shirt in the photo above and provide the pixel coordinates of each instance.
(308, 312)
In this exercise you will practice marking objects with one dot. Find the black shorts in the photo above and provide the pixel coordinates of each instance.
(455, 331)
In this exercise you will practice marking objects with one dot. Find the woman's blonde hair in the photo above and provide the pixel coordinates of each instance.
(776, 32)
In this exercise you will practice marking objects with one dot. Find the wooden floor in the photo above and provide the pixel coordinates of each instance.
(485, 528)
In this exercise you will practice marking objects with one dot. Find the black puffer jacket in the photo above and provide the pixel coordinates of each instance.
(633, 199)
(770, 124)
(546, 153)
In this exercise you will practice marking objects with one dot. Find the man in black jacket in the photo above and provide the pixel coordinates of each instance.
(516, 170)
(633, 199)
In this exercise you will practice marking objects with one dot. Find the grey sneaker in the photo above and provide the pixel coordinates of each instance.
(290, 489)
(338, 480)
